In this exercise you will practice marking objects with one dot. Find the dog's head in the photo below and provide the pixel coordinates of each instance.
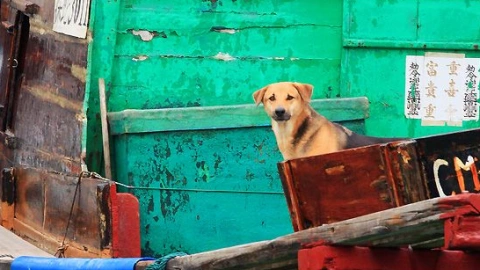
(284, 100)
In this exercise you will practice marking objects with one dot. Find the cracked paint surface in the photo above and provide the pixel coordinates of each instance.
(210, 188)
(216, 53)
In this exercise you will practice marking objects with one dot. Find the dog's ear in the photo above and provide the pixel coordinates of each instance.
(258, 95)
(305, 90)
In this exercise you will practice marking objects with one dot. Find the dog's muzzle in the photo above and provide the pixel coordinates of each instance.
(280, 114)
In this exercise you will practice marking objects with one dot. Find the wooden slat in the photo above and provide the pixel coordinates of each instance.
(419, 221)
(105, 134)
(217, 117)
(337, 186)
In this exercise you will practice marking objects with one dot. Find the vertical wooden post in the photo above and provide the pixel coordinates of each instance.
(105, 136)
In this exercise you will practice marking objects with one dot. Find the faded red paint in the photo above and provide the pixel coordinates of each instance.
(125, 225)
(462, 226)
(315, 244)
(462, 233)
(361, 258)
(470, 205)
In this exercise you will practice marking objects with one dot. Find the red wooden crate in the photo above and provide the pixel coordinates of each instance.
(350, 183)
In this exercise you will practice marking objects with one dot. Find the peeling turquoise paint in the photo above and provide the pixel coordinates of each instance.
(205, 185)
(204, 181)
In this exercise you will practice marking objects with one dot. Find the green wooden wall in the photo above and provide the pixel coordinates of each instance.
(175, 69)
(206, 184)
(378, 35)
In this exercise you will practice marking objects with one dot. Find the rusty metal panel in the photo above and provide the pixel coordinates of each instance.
(42, 91)
(334, 187)
(351, 183)
(405, 168)
(47, 120)
(42, 212)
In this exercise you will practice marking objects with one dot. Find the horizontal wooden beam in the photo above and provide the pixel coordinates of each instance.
(397, 227)
(221, 117)
(409, 44)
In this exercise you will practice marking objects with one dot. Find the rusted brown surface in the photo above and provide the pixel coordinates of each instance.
(408, 180)
(339, 186)
(49, 128)
(37, 205)
(347, 184)
(43, 94)
(355, 182)
(42, 211)
(288, 184)
(7, 199)
(7, 146)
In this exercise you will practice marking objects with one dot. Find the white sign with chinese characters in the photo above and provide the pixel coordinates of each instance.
(71, 17)
(442, 89)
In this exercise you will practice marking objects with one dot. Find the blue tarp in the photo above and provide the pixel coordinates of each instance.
(42, 263)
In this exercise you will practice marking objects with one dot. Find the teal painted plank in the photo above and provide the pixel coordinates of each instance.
(241, 161)
(182, 16)
(199, 22)
(406, 44)
(294, 42)
(449, 21)
(212, 160)
(330, 9)
(180, 82)
(238, 197)
(382, 19)
(427, 21)
(221, 117)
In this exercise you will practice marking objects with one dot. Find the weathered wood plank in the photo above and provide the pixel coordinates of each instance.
(216, 117)
(43, 203)
(346, 184)
(105, 134)
(377, 229)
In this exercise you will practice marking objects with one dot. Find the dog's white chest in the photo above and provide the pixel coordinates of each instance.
(283, 133)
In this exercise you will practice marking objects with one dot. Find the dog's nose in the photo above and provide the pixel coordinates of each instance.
(279, 111)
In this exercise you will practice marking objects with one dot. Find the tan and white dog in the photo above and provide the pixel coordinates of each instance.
(300, 131)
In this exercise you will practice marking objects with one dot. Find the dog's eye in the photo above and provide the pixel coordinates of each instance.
(272, 98)
(289, 97)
